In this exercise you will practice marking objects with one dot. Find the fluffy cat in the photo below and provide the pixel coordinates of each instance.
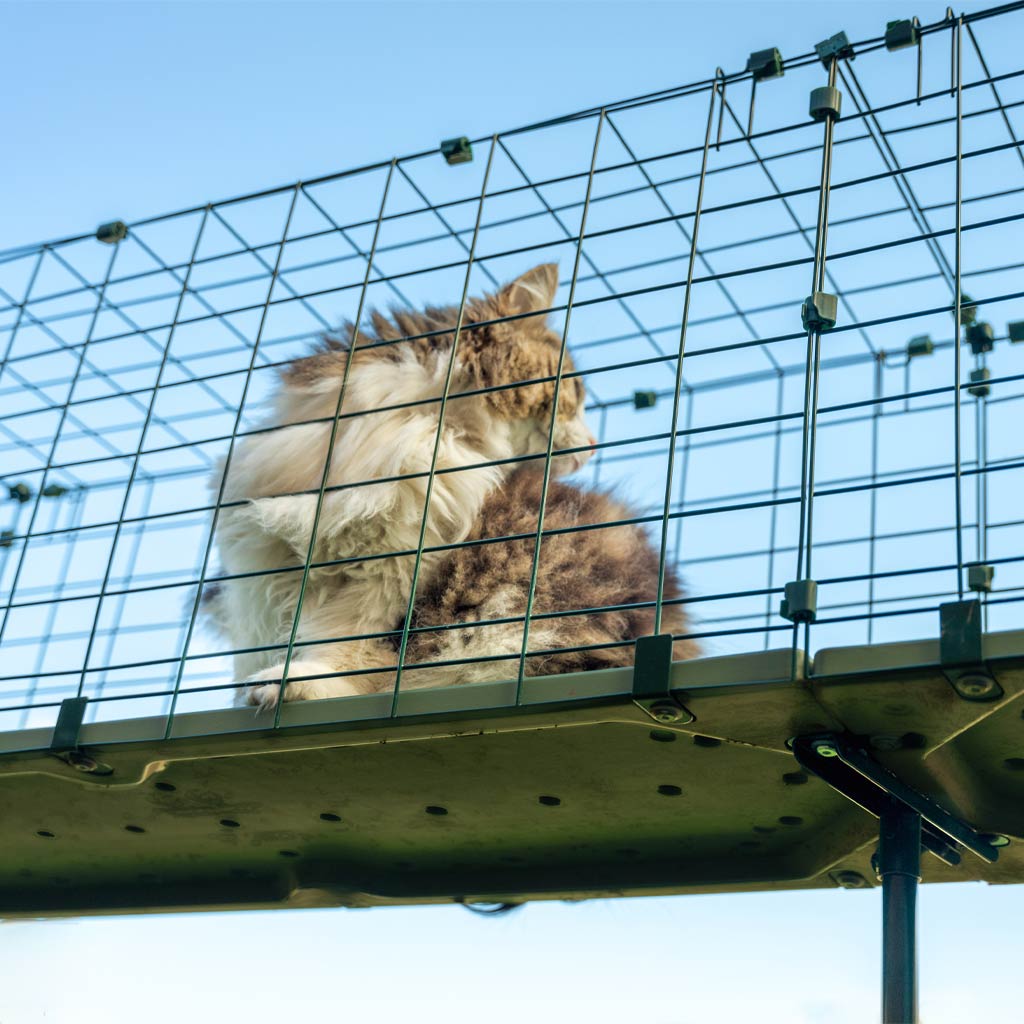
(374, 503)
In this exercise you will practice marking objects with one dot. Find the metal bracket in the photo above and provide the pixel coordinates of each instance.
(979, 386)
(826, 101)
(922, 345)
(457, 151)
(1015, 330)
(851, 771)
(652, 681)
(901, 34)
(64, 742)
(960, 652)
(645, 399)
(765, 64)
(979, 577)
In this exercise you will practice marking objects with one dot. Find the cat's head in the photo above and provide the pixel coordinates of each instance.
(515, 343)
(505, 340)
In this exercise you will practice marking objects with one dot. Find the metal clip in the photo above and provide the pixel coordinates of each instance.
(801, 601)
(978, 386)
(901, 34)
(1015, 330)
(645, 399)
(457, 151)
(960, 652)
(922, 345)
(113, 232)
(652, 681)
(818, 313)
(837, 46)
(979, 578)
(981, 338)
(826, 101)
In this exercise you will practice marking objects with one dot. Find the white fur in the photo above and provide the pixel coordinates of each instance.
(273, 529)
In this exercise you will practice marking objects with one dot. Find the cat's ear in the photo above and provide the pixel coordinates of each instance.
(533, 291)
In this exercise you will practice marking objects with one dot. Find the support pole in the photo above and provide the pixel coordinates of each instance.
(899, 865)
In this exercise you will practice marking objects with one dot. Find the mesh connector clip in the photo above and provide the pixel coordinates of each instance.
(979, 386)
(6, 538)
(901, 34)
(801, 601)
(64, 743)
(838, 46)
(960, 652)
(968, 310)
(826, 102)
(54, 491)
(979, 578)
(457, 151)
(922, 345)
(818, 312)
(981, 338)
(765, 64)
(645, 399)
(21, 493)
(112, 233)
(1015, 330)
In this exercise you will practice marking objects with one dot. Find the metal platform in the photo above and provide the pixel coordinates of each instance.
(576, 793)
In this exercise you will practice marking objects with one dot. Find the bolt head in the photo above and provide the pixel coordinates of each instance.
(666, 713)
(81, 762)
(976, 686)
(851, 880)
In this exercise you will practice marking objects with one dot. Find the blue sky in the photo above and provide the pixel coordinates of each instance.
(124, 110)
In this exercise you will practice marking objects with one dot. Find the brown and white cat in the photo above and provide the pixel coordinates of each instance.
(373, 507)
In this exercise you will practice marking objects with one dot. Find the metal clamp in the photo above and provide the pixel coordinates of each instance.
(922, 345)
(979, 578)
(819, 311)
(64, 742)
(457, 151)
(645, 399)
(979, 386)
(765, 64)
(652, 681)
(801, 601)
(1015, 330)
(960, 652)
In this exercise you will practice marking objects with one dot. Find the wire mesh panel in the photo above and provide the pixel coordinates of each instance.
(868, 456)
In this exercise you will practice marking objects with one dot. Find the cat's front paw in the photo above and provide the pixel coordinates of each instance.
(263, 690)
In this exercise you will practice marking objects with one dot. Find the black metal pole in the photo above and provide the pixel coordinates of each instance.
(899, 864)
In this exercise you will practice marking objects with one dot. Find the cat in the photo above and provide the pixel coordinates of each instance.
(484, 487)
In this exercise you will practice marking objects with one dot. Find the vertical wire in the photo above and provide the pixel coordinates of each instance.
(136, 459)
(687, 293)
(957, 344)
(602, 436)
(876, 413)
(83, 350)
(810, 417)
(331, 441)
(122, 597)
(16, 326)
(204, 568)
(774, 515)
(470, 257)
(684, 472)
(70, 539)
(538, 537)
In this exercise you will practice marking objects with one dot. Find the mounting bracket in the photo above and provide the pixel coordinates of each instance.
(909, 820)
(64, 742)
(652, 681)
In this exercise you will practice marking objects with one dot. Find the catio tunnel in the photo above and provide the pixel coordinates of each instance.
(793, 300)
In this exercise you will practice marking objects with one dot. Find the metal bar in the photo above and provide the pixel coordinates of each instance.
(957, 313)
(899, 866)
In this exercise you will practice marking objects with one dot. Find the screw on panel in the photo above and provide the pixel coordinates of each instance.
(457, 151)
(979, 578)
(922, 345)
(826, 101)
(801, 601)
(901, 34)
(961, 654)
(819, 311)
(838, 46)
(979, 386)
(765, 64)
(645, 399)
(113, 232)
(849, 880)
(981, 338)
(20, 492)
(1015, 329)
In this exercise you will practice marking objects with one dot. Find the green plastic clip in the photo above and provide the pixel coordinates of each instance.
(818, 313)
(457, 151)
(968, 310)
(20, 493)
(1015, 329)
(826, 102)
(645, 399)
(801, 601)
(922, 345)
(981, 338)
(979, 578)
(113, 232)
(54, 491)
(837, 46)
(901, 34)
(765, 64)
(6, 538)
(979, 386)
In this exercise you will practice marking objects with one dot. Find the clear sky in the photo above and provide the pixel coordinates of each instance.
(128, 109)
